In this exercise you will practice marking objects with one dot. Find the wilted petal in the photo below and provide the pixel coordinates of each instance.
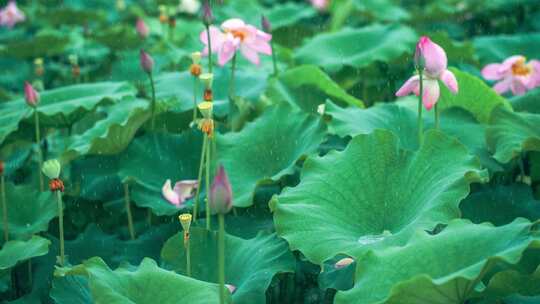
(169, 194)
(434, 56)
(431, 93)
(491, 72)
(410, 86)
(231, 288)
(185, 189)
(449, 79)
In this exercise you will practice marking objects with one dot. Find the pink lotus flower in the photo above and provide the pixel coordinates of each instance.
(182, 191)
(320, 4)
(220, 193)
(146, 61)
(435, 69)
(11, 15)
(237, 35)
(142, 28)
(513, 74)
(31, 95)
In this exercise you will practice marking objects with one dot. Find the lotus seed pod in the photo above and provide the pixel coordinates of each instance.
(185, 221)
(207, 79)
(51, 168)
(206, 108)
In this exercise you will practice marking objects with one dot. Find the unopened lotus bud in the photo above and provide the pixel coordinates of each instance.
(265, 23)
(147, 63)
(196, 57)
(207, 16)
(51, 168)
(206, 108)
(343, 263)
(221, 193)
(142, 28)
(31, 95)
(185, 221)
(207, 79)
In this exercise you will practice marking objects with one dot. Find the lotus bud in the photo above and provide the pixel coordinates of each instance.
(265, 23)
(206, 108)
(185, 221)
(51, 168)
(221, 193)
(147, 63)
(207, 79)
(31, 95)
(207, 16)
(142, 28)
(2, 167)
(343, 263)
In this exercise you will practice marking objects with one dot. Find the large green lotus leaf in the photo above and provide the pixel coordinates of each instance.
(374, 194)
(474, 96)
(509, 282)
(442, 268)
(530, 102)
(288, 14)
(250, 265)
(29, 211)
(14, 252)
(152, 159)
(146, 285)
(71, 290)
(501, 204)
(510, 134)
(385, 10)
(306, 87)
(333, 51)
(113, 133)
(497, 48)
(11, 113)
(46, 43)
(402, 121)
(267, 149)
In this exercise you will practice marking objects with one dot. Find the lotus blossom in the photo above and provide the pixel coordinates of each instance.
(320, 4)
(513, 74)
(30, 95)
(434, 67)
(11, 15)
(182, 191)
(221, 193)
(237, 35)
(146, 61)
(142, 28)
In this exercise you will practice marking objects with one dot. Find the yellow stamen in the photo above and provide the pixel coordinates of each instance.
(520, 68)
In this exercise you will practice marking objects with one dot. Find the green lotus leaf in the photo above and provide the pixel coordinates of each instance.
(29, 211)
(306, 87)
(333, 51)
(374, 194)
(14, 252)
(510, 134)
(112, 134)
(71, 289)
(152, 159)
(401, 119)
(146, 284)
(250, 265)
(11, 113)
(288, 14)
(385, 10)
(442, 268)
(510, 282)
(474, 96)
(267, 149)
(46, 43)
(527, 102)
(496, 48)
(501, 204)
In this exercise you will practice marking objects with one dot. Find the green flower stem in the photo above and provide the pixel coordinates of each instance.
(420, 121)
(209, 49)
(207, 183)
(188, 257)
(4, 207)
(153, 106)
(274, 59)
(232, 88)
(437, 116)
(194, 99)
(199, 178)
(40, 154)
(128, 211)
(221, 258)
(61, 225)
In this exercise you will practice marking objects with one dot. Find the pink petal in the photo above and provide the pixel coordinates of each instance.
(491, 72)
(431, 93)
(216, 38)
(502, 86)
(250, 54)
(227, 50)
(264, 36)
(518, 87)
(411, 85)
(169, 194)
(449, 79)
(184, 189)
(507, 64)
(536, 72)
(434, 56)
(233, 24)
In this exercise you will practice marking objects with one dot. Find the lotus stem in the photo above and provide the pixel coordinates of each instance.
(221, 258)
(128, 211)
(153, 105)
(39, 152)
(437, 116)
(420, 121)
(207, 184)
(232, 85)
(194, 99)
(4, 207)
(188, 254)
(209, 49)
(199, 178)
(61, 225)
(274, 58)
